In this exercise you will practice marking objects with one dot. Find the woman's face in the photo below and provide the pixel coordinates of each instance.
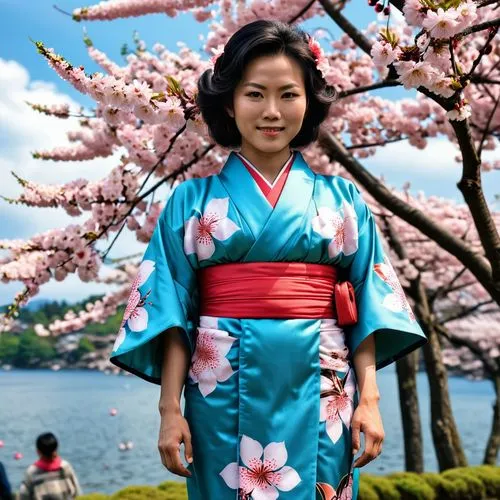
(271, 93)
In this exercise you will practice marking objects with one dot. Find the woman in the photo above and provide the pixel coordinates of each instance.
(239, 296)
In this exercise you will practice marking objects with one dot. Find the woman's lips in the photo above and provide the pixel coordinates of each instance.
(270, 132)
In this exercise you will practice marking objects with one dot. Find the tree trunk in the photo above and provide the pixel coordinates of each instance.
(493, 446)
(408, 399)
(447, 443)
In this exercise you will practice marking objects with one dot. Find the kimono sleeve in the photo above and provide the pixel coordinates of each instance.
(163, 295)
(383, 309)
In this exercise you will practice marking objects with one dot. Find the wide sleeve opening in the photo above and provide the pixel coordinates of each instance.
(383, 309)
(163, 295)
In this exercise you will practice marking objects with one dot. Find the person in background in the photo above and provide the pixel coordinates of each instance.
(5, 491)
(50, 476)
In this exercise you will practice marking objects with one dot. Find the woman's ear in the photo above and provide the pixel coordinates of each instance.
(229, 111)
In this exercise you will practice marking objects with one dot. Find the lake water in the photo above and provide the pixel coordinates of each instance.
(74, 405)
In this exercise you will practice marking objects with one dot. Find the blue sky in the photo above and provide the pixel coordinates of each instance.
(24, 75)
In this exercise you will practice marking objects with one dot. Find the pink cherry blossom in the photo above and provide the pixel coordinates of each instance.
(337, 407)
(339, 226)
(467, 14)
(442, 24)
(263, 478)
(208, 363)
(213, 224)
(384, 54)
(412, 74)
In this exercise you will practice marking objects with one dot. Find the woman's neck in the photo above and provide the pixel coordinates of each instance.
(268, 164)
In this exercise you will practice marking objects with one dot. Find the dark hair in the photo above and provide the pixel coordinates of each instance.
(259, 38)
(46, 444)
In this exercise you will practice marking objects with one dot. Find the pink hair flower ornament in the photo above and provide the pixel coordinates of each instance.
(217, 52)
(319, 56)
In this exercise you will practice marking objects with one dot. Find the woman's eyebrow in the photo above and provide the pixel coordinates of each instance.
(258, 85)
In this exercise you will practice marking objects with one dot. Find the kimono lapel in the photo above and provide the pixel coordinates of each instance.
(285, 221)
(244, 192)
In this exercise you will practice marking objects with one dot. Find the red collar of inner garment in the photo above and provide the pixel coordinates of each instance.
(49, 465)
(273, 193)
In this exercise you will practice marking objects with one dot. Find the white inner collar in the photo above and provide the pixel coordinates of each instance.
(271, 185)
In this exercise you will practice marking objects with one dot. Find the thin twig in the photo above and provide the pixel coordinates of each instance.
(486, 129)
(367, 88)
(302, 12)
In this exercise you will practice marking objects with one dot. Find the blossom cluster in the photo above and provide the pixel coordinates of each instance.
(436, 61)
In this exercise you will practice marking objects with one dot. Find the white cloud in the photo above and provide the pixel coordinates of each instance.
(23, 131)
(432, 170)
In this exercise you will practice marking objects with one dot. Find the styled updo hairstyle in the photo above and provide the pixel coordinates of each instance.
(256, 39)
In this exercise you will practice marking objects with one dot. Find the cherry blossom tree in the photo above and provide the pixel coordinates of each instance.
(146, 110)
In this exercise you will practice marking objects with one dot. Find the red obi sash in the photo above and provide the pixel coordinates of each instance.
(276, 290)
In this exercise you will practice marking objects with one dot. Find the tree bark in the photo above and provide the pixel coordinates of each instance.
(493, 446)
(447, 443)
(410, 416)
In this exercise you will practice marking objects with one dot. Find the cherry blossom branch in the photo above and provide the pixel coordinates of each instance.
(465, 312)
(488, 125)
(478, 27)
(367, 88)
(357, 36)
(470, 184)
(482, 52)
(477, 264)
(302, 12)
(373, 144)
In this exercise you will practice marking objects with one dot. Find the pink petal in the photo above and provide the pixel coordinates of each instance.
(223, 341)
(225, 229)
(230, 474)
(350, 385)
(323, 409)
(250, 450)
(145, 270)
(334, 429)
(190, 233)
(334, 248)
(289, 479)
(218, 206)
(350, 229)
(138, 320)
(207, 382)
(346, 414)
(224, 370)
(119, 340)
(210, 322)
(392, 302)
(325, 384)
(205, 250)
(269, 492)
(276, 454)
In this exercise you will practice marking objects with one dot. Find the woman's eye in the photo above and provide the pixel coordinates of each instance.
(256, 94)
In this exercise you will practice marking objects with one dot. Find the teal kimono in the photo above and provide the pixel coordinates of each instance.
(269, 402)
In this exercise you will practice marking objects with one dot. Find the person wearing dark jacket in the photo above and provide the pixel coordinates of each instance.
(5, 491)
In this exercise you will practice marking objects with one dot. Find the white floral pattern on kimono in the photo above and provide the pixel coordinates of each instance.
(395, 301)
(208, 363)
(262, 479)
(340, 228)
(333, 353)
(338, 405)
(199, 233)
